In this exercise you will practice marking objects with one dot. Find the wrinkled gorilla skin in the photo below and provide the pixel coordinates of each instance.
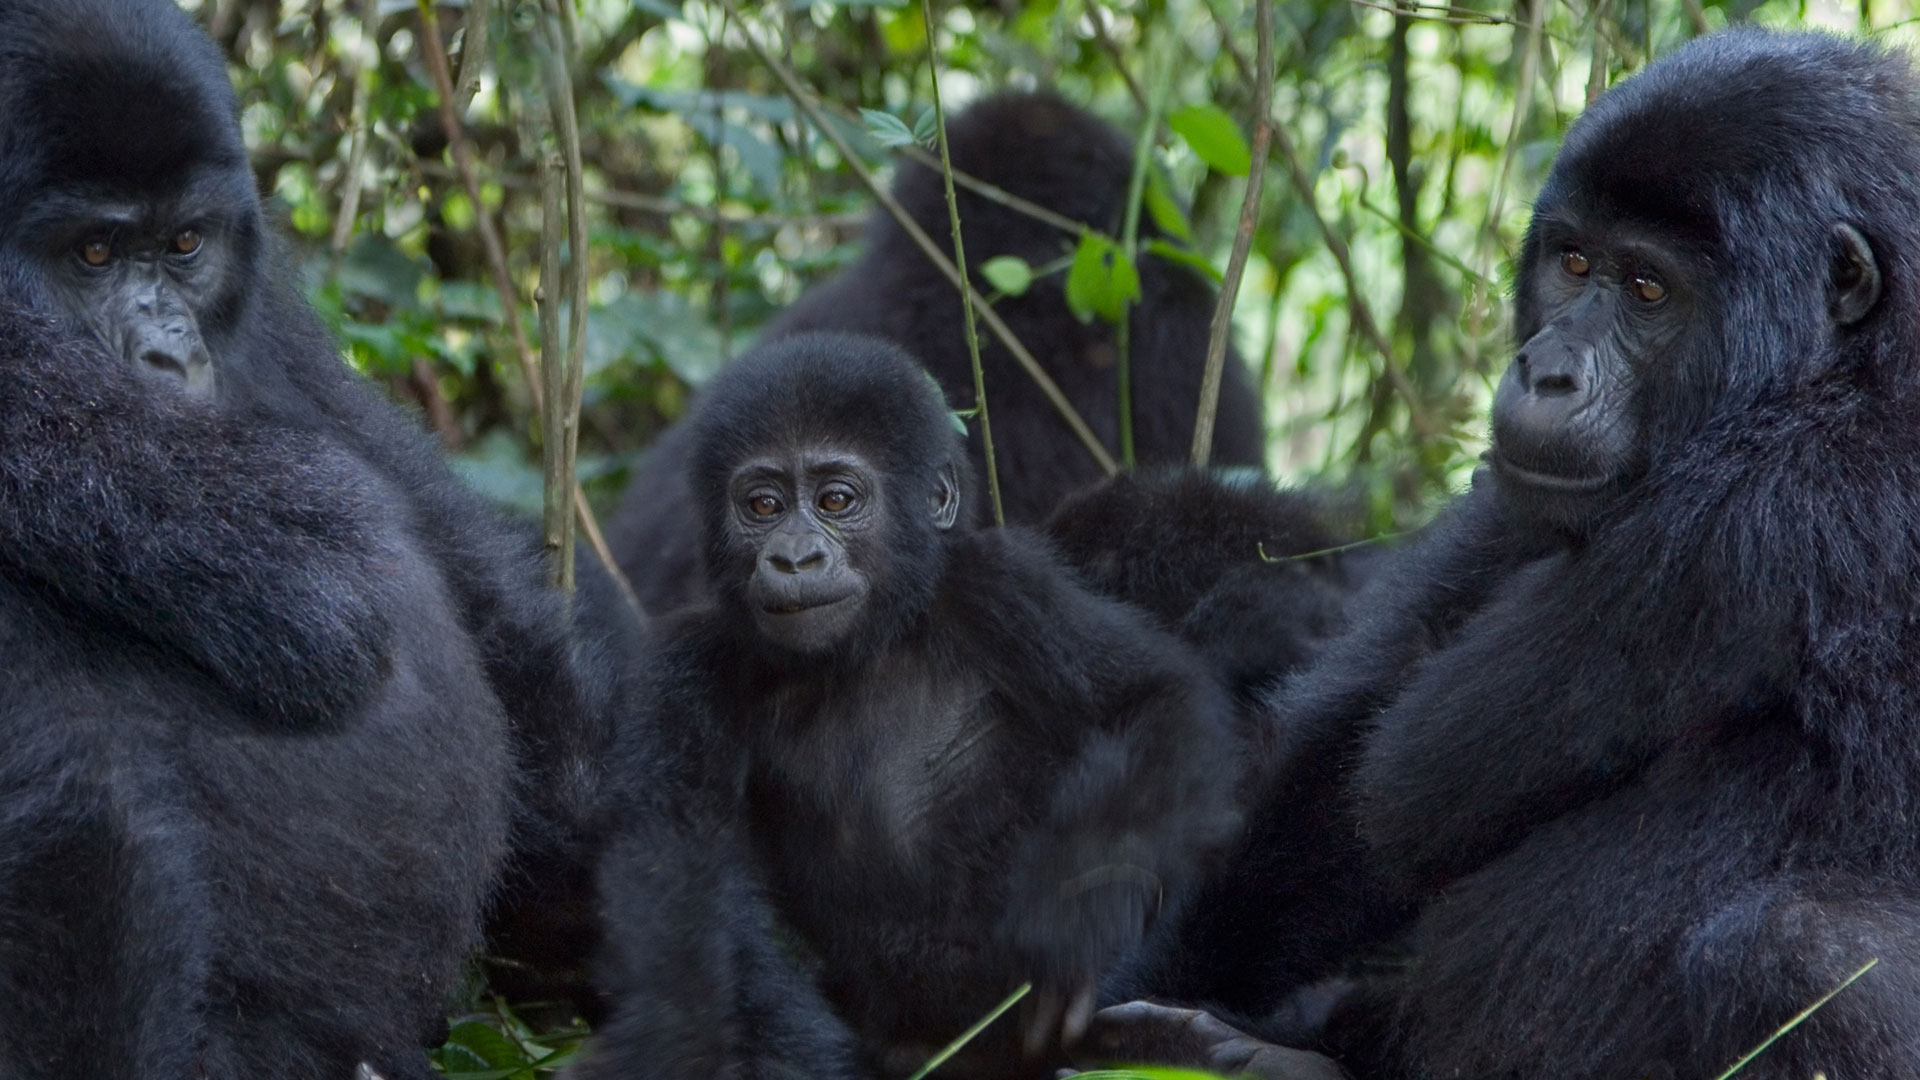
(1050, 152)
(254, 785)
(1194, 549)
(1637, 719)
(116, 120)
(961, 770)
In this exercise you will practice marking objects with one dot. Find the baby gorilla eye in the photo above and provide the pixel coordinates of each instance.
(834, 500)
(1649, 290)
(96, 253)
(763, 505)
(187, 242)
(1573, 262)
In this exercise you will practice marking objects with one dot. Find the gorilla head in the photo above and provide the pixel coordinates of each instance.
(1686, 258)
(123, 180)
(824, 507)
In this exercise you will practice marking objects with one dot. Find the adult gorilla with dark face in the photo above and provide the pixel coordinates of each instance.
(126, 199)
(254, 784)
(1638, 724)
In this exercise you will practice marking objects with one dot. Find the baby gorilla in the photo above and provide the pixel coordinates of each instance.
(960, 770)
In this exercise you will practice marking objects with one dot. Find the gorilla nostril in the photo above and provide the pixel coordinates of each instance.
(814, 561)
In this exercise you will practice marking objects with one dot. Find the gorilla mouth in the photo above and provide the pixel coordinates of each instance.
(796, 607)
(1550, 481)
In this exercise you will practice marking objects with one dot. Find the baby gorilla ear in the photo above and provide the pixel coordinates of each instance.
(946, 500)
(1853, 283)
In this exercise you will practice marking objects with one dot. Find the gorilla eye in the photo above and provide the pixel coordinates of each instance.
(835, 500)
(1648, 289)
(96, 253)
(763, 505)
(1574, 263)
(187, 242)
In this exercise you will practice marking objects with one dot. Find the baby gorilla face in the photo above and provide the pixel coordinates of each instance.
(802, 513)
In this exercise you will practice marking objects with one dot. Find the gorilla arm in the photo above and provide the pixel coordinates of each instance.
(1697, 606)
(1146, 792)
(239, 546)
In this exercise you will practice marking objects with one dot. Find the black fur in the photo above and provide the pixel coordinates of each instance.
(79, 83)
(210, 866)
(1188, 546)
(1245, 572)
(1653, 778)
(1048, 151)
(996, 777)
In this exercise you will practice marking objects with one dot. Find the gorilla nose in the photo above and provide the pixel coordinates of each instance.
(796, 558)
(1551, 373)
(174, 352)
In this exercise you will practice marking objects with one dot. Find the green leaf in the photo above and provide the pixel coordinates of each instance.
(1102, 280)
(1165, 211)
(1213, 136)
(1185, 256)
(926, 130)
(1008, 273)
(887, 129)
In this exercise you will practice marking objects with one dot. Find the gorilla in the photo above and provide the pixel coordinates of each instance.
(960, 770)
(1634, 726)
(1045, 150)
(255, 786)
(126, 198)
(1251, 576)
(1245, 572)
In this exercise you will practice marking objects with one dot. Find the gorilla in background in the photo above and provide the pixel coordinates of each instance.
(1638, 722)
(1246, 573)
(125, 192)
(961, 770)
(1050, 152)
(254, 788)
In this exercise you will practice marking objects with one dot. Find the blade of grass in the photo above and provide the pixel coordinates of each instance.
(968, 1035)
(1747, 1058)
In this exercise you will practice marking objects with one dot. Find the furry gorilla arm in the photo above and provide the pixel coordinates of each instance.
(183, 530)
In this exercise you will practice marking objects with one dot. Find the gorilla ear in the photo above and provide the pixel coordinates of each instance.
(1853, 283)
(946, 501)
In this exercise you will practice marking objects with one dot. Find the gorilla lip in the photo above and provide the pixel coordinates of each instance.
(1572, 485)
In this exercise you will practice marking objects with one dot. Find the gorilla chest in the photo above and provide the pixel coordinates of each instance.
(880, 768)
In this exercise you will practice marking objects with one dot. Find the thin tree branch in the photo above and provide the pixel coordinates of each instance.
(791, 84)
(960, 261)
(1222, 329)
(1000, 195)
(503, 278)
(1359, 313)
(654, 204)
(1098, 17)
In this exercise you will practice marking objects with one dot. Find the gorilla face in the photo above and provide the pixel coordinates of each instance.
(126, 190)
(141, 278)
(816, 520)
(1626, 335)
